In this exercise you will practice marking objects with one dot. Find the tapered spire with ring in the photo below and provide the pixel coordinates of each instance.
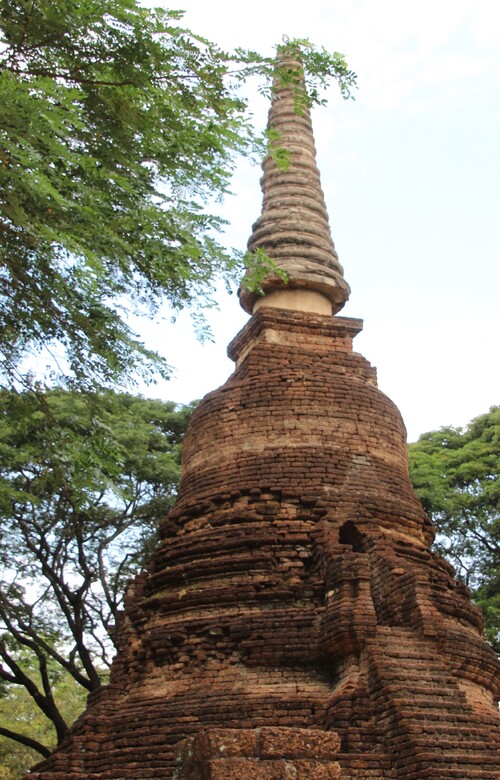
(293, 228)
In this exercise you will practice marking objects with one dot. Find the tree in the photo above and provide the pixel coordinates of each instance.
(455, 473)
(18, 712)
(82, 488)
(116, 126)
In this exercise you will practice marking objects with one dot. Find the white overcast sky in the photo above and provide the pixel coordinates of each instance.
(411, 175)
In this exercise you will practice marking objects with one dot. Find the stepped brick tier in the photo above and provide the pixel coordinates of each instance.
(293, 622)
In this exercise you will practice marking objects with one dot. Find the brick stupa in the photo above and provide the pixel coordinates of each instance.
(293, 622)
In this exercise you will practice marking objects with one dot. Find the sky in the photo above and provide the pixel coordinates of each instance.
(411, 176)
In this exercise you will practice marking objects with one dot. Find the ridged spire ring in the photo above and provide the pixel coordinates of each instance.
(293, 228)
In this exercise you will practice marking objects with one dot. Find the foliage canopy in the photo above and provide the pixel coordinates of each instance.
(455, 473)
(83, 486)
(116, 126)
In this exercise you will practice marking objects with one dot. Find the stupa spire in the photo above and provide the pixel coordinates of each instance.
(293, 228)
(293, 621)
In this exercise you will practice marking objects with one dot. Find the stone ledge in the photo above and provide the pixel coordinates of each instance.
(267, 753)
(335, 329)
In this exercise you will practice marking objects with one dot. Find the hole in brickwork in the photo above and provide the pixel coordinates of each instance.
(330, 672)
(349, 534)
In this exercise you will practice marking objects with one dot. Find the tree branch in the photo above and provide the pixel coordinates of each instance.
(24, 740)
